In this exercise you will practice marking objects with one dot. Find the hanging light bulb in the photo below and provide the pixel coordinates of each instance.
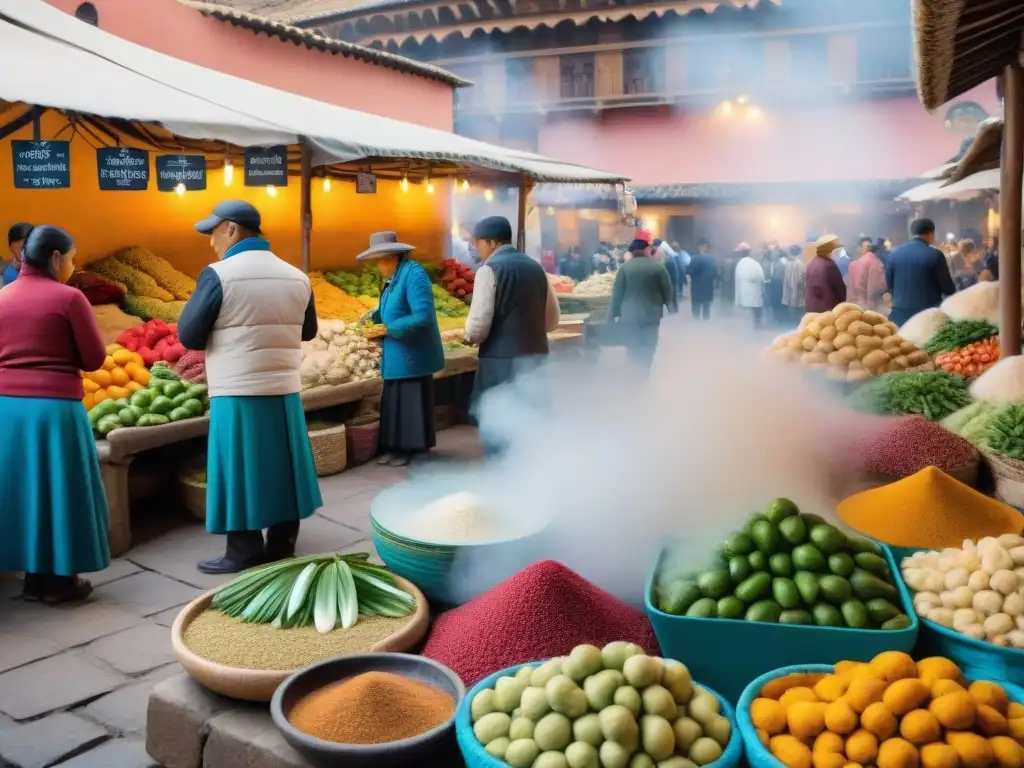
(327, 184)
(180, 189)
(405, 184)
(229, 171)
(272, 190)
(430, 187)
(465, 185)
(488, 195)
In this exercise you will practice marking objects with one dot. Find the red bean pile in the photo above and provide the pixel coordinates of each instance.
(544, 610)
(908, 444)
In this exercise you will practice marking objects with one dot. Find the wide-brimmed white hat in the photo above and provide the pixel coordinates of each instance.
(384, 244)
(825, 244)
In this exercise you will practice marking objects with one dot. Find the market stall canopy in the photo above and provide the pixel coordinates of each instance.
(54, 60)
(966, 189)
(984, 153)
(963, 43)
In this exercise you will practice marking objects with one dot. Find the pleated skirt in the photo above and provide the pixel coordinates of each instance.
(52, 504)
(259, 465)
(407, 422)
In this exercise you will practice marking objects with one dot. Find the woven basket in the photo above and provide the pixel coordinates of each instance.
(1009, 477)
(330, 450)
(363, 436)
(194, 495)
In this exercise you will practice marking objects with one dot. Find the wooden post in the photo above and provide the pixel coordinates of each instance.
(306, 208)
(524, 192)
(1010, 210)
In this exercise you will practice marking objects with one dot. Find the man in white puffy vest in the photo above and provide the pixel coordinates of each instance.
(250, 312)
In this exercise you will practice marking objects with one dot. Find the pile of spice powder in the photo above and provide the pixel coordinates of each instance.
(545, 610)
(908, 444)
(928, 509)
(219, 638)
(372, 708)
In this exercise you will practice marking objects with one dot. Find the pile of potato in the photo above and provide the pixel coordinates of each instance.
(850, 344)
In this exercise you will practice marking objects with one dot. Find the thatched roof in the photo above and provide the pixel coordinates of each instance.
(960, 44)
(983, 154)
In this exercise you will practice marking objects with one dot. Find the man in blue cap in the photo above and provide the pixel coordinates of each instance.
(513, 310)
(250, 312)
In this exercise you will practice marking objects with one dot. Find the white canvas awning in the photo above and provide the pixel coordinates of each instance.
(54, 60)
(968, 188)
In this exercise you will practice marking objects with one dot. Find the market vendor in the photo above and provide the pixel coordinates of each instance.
(514, 308)
(54, 510)
(411, 351)
(249, 312)
(15, 242)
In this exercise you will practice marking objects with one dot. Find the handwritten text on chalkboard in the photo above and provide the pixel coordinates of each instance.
(266, 166)
(42, 164)
(122, 169)
(187, 170)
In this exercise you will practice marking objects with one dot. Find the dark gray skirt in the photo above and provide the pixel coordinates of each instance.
(407, 416)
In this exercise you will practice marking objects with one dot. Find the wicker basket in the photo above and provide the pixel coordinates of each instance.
(193, 493)
(1009, 477)
(330, 450)
(363, 436)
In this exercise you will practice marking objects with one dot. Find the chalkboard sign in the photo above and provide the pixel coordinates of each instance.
(266, 166)
(42, 164)
(123, 169)
(187, 170)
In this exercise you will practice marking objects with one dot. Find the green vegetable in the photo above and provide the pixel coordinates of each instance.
(855, 614)
(867, 587)
(196, 391)
(705, 608)
(173, 388)
(932, 394)
(730, 608)
(143, 398)
(764, 610)
(676, 597)
(178, 414)
(737, 544)
(872, 564)
(807, 558)
(841, 564)
(785, 593)
(179, 400)
(857, 544)
(754, 587)
(807, 584)
(796, 617)
(780, 564)
(881, 610)
(793, 530)
(959, 333)
(108, 423)
(714, 584)
(152, 420)
(161, 404)
(835, 589)
(160, 370)
(765, 536)
(758, 561)
(827, 539)
(127, 417)
(739, 569)
(1004, 432)
(898, 622)
(100, 410)
(753, 520)
(193, 406)
(779, 510)
(826, 615)
(327, 591)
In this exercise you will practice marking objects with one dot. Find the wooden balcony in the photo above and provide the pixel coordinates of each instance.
(794, 69)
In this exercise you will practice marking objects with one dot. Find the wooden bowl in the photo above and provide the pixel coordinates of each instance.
(260, 684)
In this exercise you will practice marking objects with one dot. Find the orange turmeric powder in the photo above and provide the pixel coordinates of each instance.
(928, 509)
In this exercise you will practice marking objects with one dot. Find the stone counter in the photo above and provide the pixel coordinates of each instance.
(187, 726)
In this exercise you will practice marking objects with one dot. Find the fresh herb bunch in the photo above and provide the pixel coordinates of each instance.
(327, 591)
(1004, 432)
(971, 422)
(959, 333)
(933, 394)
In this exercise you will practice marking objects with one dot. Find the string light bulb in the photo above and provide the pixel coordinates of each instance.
(465, 185)
(229, 171)
(180, 189)
(430, 187)
(488, 195)
(327, 184)
(405, 184)
(272, 190)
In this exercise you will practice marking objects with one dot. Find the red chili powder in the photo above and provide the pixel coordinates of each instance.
(544, 610)
(908, 444)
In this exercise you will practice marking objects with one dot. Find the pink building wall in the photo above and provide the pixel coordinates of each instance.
(182, 32)
(892, 138)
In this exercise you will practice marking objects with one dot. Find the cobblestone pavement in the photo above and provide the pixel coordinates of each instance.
(75, 680)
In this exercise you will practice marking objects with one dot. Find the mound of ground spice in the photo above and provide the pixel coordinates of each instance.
(544, 610)
(928, 509)
(372, 708)
(905, 445)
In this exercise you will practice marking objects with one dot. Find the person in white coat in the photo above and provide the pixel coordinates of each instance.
(750, 282)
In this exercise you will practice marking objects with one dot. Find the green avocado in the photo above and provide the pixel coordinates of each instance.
(793, 530)
(779, 510)
(714, 584)
(828, 539)
(677, 597)
(807, 584)
(737, 544)
(764, 610)
(758, 561)
(826, 615)
(705, 608)
(753, 520)
(754, 587)
(739, 569)
(796, 617)
(780, 564)
(841, 564)
(857, 544)
(898, 622)
(731, 608)
(765, 536)
(807, 558)
(881, 610)
(785, 593)
(872, 564)
(867, 587)
(835, 589)
(855, 614)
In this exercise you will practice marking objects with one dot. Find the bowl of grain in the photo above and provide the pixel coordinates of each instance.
(419, 530)
(249, 661)
(373, 709)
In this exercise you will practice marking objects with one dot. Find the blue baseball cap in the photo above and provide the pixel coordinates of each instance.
(237, 211)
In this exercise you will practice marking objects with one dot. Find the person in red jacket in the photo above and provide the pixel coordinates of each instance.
(54, 514)
(823, 281)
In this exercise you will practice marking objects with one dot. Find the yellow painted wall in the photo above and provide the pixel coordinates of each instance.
(103, 222)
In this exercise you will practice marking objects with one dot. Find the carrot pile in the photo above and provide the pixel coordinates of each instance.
(970, 359)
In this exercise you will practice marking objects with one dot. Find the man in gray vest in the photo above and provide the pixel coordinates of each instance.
(250, 312)
(514, 308)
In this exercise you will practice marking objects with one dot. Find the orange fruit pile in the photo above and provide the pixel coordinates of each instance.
(123, 373)
(891, 712)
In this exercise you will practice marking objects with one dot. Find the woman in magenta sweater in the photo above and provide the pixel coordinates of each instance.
(54, 513)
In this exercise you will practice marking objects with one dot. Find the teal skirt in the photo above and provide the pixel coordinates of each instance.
(52, 504)
(259, 468)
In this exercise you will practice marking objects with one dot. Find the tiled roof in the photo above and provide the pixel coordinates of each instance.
(313, 40)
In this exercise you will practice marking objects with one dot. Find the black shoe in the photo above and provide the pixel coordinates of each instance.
(66, 589)
(225, 564)
(35, 586)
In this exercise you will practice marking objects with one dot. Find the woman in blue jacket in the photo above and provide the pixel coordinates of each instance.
(411, 351)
